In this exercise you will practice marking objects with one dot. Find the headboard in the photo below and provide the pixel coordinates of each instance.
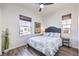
(53, 29)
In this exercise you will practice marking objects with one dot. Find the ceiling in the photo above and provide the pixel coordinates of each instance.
(47, 9)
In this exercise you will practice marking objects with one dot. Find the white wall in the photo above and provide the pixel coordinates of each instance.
(55, 20)
(0, 30)
(10, 13)
(78, 26)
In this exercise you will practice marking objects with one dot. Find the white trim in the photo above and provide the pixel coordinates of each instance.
(0, 45)
(0, 53)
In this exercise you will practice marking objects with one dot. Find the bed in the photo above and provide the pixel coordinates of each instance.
(48, 43)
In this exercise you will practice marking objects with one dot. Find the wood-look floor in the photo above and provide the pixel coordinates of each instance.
(28, 51)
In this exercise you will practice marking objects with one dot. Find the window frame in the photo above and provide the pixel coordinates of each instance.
(27, 19)
(69, 18)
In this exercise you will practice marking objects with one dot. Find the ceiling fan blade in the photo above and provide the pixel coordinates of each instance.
(48, 3)
(40, 10)
(44, 4)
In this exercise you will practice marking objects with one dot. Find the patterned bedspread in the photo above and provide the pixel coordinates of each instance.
(47, 45)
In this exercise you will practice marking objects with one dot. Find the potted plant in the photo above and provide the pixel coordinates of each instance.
(5, 41)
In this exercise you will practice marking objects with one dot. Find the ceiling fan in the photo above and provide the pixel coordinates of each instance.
(42, 5)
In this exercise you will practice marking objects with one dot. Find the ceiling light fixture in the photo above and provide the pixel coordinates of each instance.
(41, 5)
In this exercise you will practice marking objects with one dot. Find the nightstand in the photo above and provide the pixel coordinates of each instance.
(66, 42)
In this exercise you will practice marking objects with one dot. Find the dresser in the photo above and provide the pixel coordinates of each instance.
(66, 42)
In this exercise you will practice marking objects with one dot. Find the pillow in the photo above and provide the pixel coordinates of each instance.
(46, 34)
(51, 34)
(55, 35)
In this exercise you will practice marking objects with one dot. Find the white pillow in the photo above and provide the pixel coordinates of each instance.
(55, 35)
(46, 34)
(51, 34)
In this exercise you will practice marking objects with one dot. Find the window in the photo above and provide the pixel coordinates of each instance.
(25, 25)
(66, 24)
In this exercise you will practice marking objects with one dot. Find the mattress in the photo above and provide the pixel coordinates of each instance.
(45, 44)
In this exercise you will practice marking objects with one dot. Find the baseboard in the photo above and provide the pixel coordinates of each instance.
(16, 47)
(75, 47)
(13, 48)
